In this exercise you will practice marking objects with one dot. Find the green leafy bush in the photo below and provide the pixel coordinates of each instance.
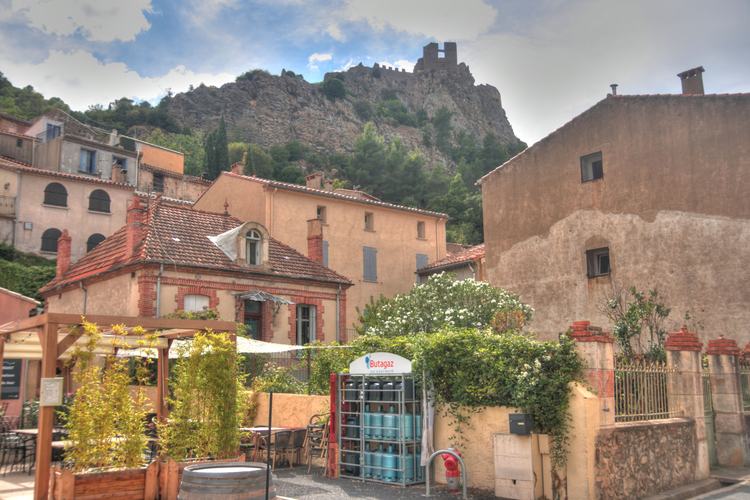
(275, 378)
(208, 400)
(105, 421)
(444, 302)
(363, 110)
(24, 273)
(638, 323)
(334, 88)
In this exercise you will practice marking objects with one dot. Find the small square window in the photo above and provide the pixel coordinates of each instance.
(19, 143)
(597, 262)
(420, 230)
(592, 167)
(369, 221)
(320, 213)
(158, 183)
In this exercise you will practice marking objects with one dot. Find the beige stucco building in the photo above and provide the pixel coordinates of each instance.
(166, 258)
(651, 191)
(376, 245)
(37, 204)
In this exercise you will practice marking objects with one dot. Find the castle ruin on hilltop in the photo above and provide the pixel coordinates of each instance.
(434, 59)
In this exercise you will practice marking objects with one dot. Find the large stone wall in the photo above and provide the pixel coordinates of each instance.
(635, 460)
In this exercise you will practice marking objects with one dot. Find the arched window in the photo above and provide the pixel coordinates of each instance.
(253, 245)
(99, 201)
(55, 194)
(49, 240)
(94, 240)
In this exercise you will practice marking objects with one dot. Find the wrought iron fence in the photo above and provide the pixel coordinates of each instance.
(641, 391)
(745, 383)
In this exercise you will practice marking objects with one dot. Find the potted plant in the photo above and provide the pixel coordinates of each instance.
(207, 402)
(105, 425)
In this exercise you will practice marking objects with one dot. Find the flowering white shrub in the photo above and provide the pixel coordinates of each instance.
(444, 302)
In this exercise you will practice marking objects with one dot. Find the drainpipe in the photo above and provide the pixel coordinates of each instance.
(158, 291)
(16, 206)
(85, 296)
(338, 314)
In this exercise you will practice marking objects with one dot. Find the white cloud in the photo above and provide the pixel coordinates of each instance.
(318, 57)
(82, 80)
(348, 64)
(98, 21)
(445, 20)
(399, 64)
(334, 31)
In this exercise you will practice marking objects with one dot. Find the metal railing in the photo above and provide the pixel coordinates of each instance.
(7, 206)
(641, 391)
(745, 384)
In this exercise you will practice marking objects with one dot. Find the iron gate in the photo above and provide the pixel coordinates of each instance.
(708, 410)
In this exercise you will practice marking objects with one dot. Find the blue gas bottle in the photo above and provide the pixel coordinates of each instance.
(390, 424)
(389, 464)
(368, 463)
(376, 423)
(366, 421)
(407, 420)
(409, 467)
(377, 463)
(418, 422)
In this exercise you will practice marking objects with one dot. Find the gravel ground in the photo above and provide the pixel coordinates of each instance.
(296, 483)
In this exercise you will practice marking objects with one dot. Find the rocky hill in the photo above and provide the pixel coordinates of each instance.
(267, 110)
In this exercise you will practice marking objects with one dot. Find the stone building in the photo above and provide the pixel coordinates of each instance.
(376, 245)
(169, 258)
(639, 190)
(436, 59)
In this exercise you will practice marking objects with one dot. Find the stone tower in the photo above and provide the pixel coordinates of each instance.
(436, 59)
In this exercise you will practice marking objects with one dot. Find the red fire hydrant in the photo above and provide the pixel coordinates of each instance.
(452, 470)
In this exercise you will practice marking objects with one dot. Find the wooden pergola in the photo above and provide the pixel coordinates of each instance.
(48, 337)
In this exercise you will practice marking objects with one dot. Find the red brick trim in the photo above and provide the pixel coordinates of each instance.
(239, 287)
(683, 341)
(147, 295)
(213, 299)
(582, 331)
(723, 346)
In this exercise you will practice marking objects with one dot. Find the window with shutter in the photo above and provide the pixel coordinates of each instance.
(49, 240)
(305, 324)
(93, 241)
(56, 195)
(592, 167)
(195, 303)
(422, 260)
(99, 201)
(370, 260)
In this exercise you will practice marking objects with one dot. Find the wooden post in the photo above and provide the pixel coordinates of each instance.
(46, 415)
(162, 372)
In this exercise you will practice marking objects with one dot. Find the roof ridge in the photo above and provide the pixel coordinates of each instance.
(333, 194)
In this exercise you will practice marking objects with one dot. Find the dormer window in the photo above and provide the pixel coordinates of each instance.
(253, 246)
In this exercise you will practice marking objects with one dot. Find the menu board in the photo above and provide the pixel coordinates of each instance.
(51, 392)
(11, 387)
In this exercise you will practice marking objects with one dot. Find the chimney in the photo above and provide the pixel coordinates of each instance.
(613, 86)
(238, 168)
(328, 185)
(63, 254)
(315, 240)
(692, 81)
(135, 222)
(314, 180)
(114, 139)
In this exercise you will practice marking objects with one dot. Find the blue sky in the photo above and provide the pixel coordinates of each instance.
(550, 59)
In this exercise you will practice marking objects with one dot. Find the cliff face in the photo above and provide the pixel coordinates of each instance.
(267, 110)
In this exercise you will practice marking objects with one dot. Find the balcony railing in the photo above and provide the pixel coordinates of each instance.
(7, 206)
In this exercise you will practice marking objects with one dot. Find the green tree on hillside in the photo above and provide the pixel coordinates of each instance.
(216, 151)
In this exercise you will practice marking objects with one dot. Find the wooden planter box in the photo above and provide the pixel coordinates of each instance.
(127, 484)
(170, 474)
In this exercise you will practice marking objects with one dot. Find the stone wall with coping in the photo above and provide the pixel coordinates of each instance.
(638, 459)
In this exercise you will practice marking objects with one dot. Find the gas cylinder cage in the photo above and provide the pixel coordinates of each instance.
(379, 418)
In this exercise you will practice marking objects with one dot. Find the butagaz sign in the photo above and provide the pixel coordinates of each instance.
(379, 363)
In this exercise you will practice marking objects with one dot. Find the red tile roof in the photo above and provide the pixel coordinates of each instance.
(471, 254)
(17, 166)
(334, 194)
(178, 236)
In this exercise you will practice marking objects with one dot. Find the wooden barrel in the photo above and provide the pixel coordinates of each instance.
(230, 481)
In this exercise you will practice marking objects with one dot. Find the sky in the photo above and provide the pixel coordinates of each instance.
(550, 59)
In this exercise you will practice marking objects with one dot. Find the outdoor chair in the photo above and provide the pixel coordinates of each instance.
(316, 443)
(280, 446)
(296, 444)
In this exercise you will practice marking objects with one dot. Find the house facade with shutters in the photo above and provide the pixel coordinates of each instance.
(170, 258)
(651, 191)
(37, 204)
(376, 245)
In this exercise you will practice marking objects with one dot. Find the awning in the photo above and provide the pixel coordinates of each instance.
(261, 296)
(244, 346)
